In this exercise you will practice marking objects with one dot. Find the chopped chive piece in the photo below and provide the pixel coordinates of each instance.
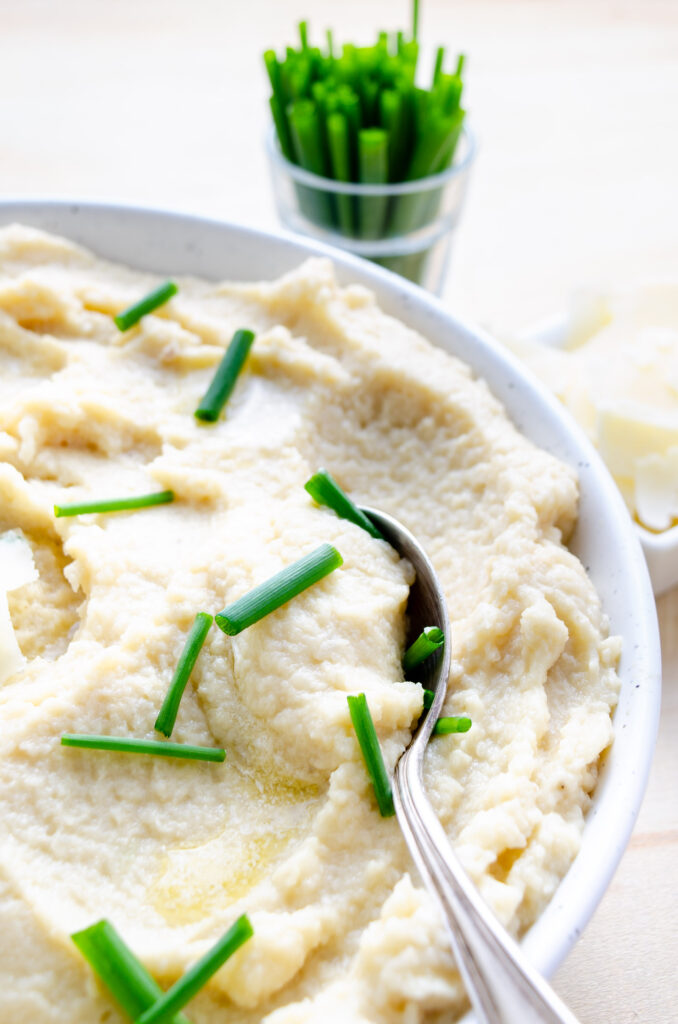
(371, 751)
(130, 745)
(326, 491)
(115, 504)
(197, 976)
(164, 723)
(445, 726)
(115, 964)
(429, 697)
(133, 314)
(224, 379)
(280, 589)
(429, 640)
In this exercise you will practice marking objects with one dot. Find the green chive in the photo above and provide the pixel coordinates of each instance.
(280, 589)
(164, 723)
(273, 69)
(410, 53)
(197, 976)
(429, 640)
(115, 964)
(373, 156)
(371, 751)
(445, 726)
(305, 127)
(130, 745)
(114, 504)
(282, 127)
(429, 697)
(306, 132)
(415, 18)
(391, 113)
(436, 145)
(133, 314)
(278, 103)
(326, 491)
(370, 97)
(440, 57)
(224, 379)
(340, 159)
(373, 170)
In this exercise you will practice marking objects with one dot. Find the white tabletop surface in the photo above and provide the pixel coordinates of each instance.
(574, 103)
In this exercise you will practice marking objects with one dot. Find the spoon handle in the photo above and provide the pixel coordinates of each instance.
(503, 987)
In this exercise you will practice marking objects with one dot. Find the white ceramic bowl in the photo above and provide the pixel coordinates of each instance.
(171, 243)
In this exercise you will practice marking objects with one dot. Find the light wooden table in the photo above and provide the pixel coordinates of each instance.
(574, 101)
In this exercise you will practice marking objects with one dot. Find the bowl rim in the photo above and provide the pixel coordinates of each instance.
(108, 228)
(352, 188)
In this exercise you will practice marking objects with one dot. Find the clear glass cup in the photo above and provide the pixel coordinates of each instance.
(405, 227)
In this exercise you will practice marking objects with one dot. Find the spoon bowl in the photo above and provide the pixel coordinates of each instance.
(426, 606)
(503, 987)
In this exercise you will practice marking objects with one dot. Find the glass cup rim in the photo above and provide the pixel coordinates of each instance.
(400, 188)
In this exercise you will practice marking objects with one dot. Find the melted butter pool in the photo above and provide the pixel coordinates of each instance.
(267, 818)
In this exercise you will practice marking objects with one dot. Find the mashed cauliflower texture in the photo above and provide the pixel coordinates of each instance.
(287, 829)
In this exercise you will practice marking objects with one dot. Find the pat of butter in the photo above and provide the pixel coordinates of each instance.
(16, 569)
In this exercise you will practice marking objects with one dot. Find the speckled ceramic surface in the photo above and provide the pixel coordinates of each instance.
(604, 539)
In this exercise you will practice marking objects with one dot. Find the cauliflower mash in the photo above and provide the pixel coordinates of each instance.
(286, 830)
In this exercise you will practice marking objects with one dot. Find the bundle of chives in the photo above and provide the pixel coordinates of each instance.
(356, 116)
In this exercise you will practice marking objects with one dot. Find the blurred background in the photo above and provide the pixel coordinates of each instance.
(573, 103)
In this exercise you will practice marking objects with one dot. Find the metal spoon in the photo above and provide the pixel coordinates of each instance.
(502, 986)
